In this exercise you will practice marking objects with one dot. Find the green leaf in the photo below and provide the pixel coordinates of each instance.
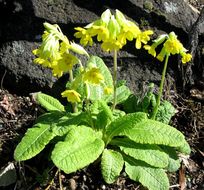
(118, 113)
(150, 177)
(125, 123)
(173, 160)
(154, 132)
(101, 114)
(49, 103)
(80, 148)
(165, 112)
(37, 137)
(97, 90)
(122, 94)
(33, 142)
(151, 154)
(111, 164)
(51, 117)
(130, 104)
(65, 122)
(185, 148)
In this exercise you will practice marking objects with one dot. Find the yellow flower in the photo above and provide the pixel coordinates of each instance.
(111, 45)
(186, 57)
(162, 54)
(128, 32)
(93, 76)
(64, 46)
(43, 62)
(84, 35)
(143, 37)
(108, 90)
(101, 32)
(57, 72)
(71, 95)
(67, 62)
(151, 50)
(173, 45)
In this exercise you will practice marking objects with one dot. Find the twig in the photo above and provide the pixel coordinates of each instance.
(60, 181)
(172, 186)
(52, 181)
(2, 79)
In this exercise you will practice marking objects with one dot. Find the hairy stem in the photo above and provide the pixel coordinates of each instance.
(71, 78)
(160, 88)
(114, 77)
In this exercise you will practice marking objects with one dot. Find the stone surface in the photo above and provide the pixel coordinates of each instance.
(17, 70)
(21, 25)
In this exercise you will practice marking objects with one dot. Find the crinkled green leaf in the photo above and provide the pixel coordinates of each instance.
(150, 177)
(51, 117)
(49, 103)
(173, 160)
(118, 113)
(151, 154)
(33, 142)
(101, 114)
(130, 104)
(185, 148)
(122, 94)
(153, 132)
(111, 165)
(80, 148)
(165, 112)
(125, 123)
(71, 119)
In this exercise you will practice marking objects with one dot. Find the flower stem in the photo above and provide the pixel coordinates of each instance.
(160, 88)
(114, 77)
(71, 78)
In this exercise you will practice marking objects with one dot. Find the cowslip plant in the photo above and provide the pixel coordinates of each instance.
(142, 145)
(113, 31)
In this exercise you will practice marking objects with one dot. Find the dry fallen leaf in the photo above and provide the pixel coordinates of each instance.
(6, 105)
(182, 178)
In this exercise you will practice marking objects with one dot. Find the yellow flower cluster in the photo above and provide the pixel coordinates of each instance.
(113, 31)
(171, 45)
(93, 76)
(54, 51)
(90, 75)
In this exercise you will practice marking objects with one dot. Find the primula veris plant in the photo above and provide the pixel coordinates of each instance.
(113, 31)
(136, 139)
(171, 46)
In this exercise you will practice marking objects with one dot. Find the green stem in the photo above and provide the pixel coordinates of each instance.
(114, 77)
(160, 88)
(71, 78)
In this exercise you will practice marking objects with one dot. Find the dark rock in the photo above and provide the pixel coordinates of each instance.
(195, 70)
(21, 25)
(18, 72)
(62, 11)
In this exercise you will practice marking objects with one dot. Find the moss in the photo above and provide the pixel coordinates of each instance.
(143, 22)
(148, 5)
